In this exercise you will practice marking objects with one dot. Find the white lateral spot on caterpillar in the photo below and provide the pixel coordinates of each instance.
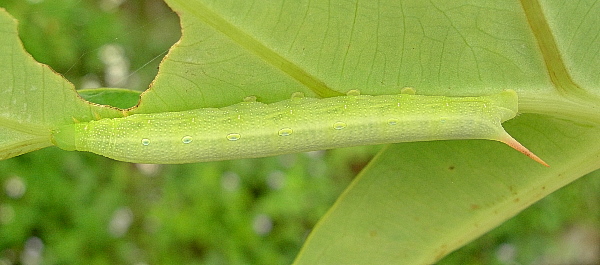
(285, 132)
(145, 141)
(393, 121)
(186, 139)
(339, 125)
(234, 136)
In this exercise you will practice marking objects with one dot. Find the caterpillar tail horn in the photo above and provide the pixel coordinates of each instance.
(510, 141)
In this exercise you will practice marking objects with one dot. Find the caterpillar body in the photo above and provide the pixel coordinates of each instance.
(254, 129)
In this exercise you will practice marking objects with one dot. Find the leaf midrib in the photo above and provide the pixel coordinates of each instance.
(555, 66)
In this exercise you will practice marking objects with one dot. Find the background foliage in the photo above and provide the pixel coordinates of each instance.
(92, 210)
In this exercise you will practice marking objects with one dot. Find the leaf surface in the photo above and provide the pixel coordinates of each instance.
(415, 202)
(34, 98)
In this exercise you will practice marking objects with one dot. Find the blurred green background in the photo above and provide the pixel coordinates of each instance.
(60, 207)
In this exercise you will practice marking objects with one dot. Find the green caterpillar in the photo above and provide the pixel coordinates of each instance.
(254, 129)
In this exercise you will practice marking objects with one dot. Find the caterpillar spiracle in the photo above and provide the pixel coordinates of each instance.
(254, 129)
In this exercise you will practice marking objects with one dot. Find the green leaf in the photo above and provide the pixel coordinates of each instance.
(404, 208)
(117, 97)
(415, 202)
(33, 97)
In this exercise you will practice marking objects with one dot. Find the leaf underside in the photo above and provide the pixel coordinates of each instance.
(415, 202)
